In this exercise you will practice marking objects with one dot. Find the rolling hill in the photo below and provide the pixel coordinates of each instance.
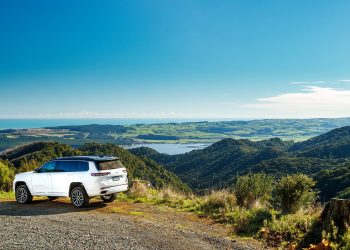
(326, 158)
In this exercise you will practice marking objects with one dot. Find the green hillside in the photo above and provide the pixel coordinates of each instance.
(326, 158)
(334, 144)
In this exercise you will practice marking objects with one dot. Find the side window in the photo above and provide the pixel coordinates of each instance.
(47, 168)
(62, 166)
(71, 166)
(80, 166)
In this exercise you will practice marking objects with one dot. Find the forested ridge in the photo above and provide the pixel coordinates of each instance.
(326, 158)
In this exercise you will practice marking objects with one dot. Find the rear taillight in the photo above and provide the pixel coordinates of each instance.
(101, 174)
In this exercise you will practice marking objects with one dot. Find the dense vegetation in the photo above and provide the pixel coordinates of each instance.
(187, 132)
(326, 158)
(284, 215)
(31, 156)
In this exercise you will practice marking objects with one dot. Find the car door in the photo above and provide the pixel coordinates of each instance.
(62, 177)
(41, 179)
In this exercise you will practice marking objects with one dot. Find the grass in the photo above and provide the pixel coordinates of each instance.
(263, 223)
(137, 213)
(7, 195)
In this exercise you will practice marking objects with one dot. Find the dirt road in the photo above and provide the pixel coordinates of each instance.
(120, 225)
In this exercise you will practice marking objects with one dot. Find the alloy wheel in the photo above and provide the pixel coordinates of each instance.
(21, 195)
(77, 198)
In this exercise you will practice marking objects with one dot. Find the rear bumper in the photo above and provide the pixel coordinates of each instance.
(110, 190)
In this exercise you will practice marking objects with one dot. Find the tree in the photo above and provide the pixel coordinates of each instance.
(294, 192)
(252, 189)
(6, 177)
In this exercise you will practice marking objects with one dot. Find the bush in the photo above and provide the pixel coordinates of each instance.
(6, 177)
(294, 192)
(139, 189)
(337, 239)
(290, 229)
(253, 189)
(249, 221)
(218, 202)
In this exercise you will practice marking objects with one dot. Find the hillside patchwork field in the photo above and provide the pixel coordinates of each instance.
(187, 132)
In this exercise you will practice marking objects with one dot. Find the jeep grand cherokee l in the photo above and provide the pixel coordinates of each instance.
(78, 177)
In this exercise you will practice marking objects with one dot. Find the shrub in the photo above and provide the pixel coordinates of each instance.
(249, 221)
(252, 189)
(6, 177)
(218, 202)
(345, 241)
(139, 189)
(337, 239)
(290, 229)
(294, 192)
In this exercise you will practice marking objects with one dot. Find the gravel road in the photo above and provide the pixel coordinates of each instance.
(57, 225)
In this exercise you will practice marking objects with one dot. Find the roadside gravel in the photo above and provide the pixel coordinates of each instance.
(57, 225)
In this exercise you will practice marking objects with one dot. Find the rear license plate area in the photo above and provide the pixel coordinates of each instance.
(116, 178)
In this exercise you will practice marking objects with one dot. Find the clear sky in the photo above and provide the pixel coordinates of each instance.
(174, 59)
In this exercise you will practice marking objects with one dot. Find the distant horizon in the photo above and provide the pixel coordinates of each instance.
(32, 123)
(171, 118)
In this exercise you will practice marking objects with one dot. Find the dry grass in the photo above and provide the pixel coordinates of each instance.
(139, 189)
(169, 194)
(218, 202)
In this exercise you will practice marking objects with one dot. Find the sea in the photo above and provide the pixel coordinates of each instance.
(40, 123)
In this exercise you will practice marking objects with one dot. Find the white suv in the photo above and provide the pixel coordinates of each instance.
(77, 177)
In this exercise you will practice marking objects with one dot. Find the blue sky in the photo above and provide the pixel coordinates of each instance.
(174, 59)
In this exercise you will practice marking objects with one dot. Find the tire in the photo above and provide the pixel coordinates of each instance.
(52, 198)
(23, 195)
(79, 197)
(109, 198)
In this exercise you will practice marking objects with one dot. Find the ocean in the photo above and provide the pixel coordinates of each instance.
(40, 123)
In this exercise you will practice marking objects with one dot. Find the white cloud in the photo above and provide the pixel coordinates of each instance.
(313, 82)
(320, 82)
(310, 102)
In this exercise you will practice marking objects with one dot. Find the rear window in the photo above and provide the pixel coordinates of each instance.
(106, 165)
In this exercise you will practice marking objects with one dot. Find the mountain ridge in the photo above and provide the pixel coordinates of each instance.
(218, 165)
